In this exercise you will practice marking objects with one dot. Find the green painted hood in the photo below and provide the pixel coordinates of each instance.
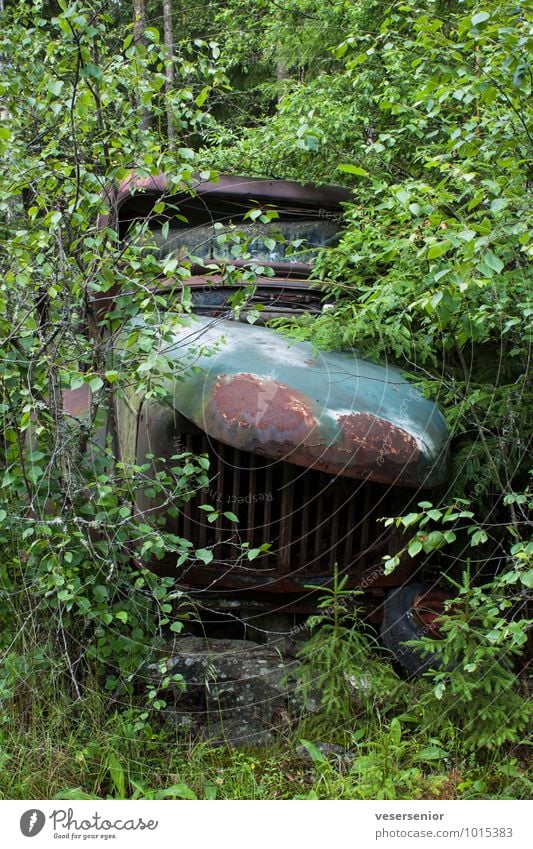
(252, 388)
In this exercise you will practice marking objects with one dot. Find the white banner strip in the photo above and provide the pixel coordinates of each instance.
(266, 824)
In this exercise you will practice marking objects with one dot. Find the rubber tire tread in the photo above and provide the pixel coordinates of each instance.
(399, 625)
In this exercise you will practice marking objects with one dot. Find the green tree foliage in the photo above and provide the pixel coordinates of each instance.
(424, 108)
(74, 87)
(427, 114)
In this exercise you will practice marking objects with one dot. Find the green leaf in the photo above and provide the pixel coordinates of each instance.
(410, 519)
(152, 34)
(55, 86)
(204, 554)
(498, 204)
(202, 97)
(494, 636)
(358, 59)
(101, 592)
(76, 381)
(317, 757)
(414, 548)
(116, 772)
(75, 794)
(395, 731)
(467, 235)
(438, 249)
(493, 262)
(96, 383)
(403, 196)
(431, 753)
(92, 70)
(480, 18)
(390, 564)
(64, 595)
(527, 579)
(177, 791)
(437, 298)
(478, 537)
(210, 792)
(352, 169)
(484, 269)
(231, 516)
(339, 51)
(439, 690)
(433, 541)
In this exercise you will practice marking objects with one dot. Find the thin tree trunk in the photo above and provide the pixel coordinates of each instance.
(139, 27)
(169, 70)
(282, 73)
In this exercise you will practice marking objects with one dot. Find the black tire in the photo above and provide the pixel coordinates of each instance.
(400, 625)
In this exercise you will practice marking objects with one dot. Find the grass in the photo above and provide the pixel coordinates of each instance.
(91, 748)
(388, 739)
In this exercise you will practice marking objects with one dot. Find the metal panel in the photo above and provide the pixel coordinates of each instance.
(258, 391)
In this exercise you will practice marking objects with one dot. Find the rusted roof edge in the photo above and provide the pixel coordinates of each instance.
(254, 188)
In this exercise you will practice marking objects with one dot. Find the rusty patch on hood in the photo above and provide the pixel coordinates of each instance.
(276, 421)
(374, 440)
(263, 404)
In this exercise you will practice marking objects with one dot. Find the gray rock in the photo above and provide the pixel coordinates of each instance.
(237, 691)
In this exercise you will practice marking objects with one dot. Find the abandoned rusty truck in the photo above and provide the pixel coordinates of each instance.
(309, 449)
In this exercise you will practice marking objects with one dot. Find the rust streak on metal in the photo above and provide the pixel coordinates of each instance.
(263, 404)
(373, 438)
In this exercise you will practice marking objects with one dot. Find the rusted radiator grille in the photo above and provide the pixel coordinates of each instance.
(311, 520)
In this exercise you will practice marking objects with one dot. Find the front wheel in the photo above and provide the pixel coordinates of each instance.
(411, 612)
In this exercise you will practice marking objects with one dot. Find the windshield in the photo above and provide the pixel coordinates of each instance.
(274, 241)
